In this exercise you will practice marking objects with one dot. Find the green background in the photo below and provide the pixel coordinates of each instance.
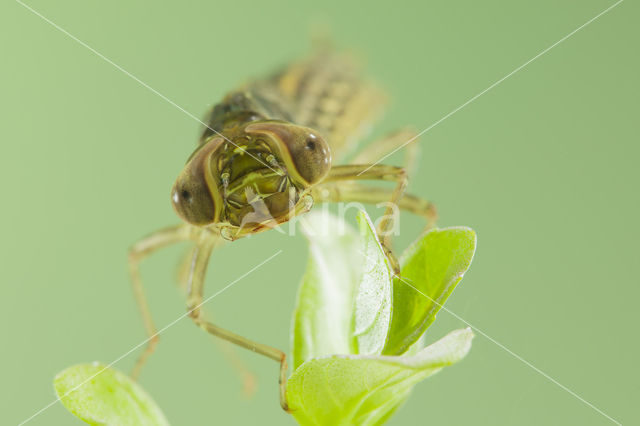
(544, 167)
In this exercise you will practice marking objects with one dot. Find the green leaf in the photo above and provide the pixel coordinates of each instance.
(372, 312)
(347, 305)
(431, 269)
(104, 396)
(322, 319)
(365, 390)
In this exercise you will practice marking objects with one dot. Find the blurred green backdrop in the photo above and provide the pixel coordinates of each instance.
(543, 167)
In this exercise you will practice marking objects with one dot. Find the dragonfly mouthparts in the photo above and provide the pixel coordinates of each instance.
(254, 183)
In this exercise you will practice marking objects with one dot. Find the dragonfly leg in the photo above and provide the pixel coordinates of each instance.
(248, 378)
(184, 268)
(337, 192)
(378, 172)
(195, 286)
(337, 188)
(139, 251)
(405, 139)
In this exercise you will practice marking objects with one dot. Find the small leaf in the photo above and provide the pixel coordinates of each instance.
(373, 300)
(322, 319)
(104, 396)
(365, 390)
(431, 269)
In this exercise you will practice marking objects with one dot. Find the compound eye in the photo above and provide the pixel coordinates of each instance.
(185, 196)
(311, 157)
(182, 197)
(192, 201)
(309, 153)
(311, 143)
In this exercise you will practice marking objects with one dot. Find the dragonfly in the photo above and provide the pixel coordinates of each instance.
(270, 151)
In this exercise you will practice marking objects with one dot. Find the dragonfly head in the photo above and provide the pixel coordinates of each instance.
(253, 178)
